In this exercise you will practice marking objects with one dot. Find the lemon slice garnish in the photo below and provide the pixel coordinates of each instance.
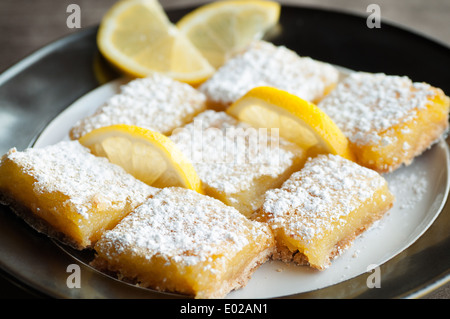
(298, 121)
(147, 155)
(222, 28)
(137, 37)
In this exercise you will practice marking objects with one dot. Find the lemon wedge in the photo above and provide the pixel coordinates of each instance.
(147, 155)
(298, 121)
(222, 28)
(137, 37)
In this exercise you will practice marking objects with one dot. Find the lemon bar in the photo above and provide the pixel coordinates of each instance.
(183, 242)
(156, 102)
(67, 193)
(389, 120)
(235, 162)
(319, 211)
(264, 64)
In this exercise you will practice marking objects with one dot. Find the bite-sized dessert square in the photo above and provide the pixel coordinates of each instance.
(320, 210)
(236, 162)
(184, 242)
(156, 102)
(264, 64)
(389, 120)
(67, 193)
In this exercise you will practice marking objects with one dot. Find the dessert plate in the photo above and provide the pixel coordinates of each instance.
(420, 190)
(46, 93)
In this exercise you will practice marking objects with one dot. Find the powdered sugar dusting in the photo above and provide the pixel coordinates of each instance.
(223, 155)
(311, 201)
(365, 104)
(86, 180)
(409, 188)
(264, 64)
(157, 102)
(182, 226)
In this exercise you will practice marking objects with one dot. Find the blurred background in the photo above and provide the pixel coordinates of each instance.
(26, 26)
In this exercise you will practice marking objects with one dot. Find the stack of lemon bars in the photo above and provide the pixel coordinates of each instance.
(284, 202)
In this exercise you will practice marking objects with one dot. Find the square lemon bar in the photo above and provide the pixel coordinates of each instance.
(183, 242)
(389, 120)
(320, 210)
(67, 193)
(236, 162)
(264, 64)
(156, 102)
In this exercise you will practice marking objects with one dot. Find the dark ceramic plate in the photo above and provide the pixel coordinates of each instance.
(35, 91)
